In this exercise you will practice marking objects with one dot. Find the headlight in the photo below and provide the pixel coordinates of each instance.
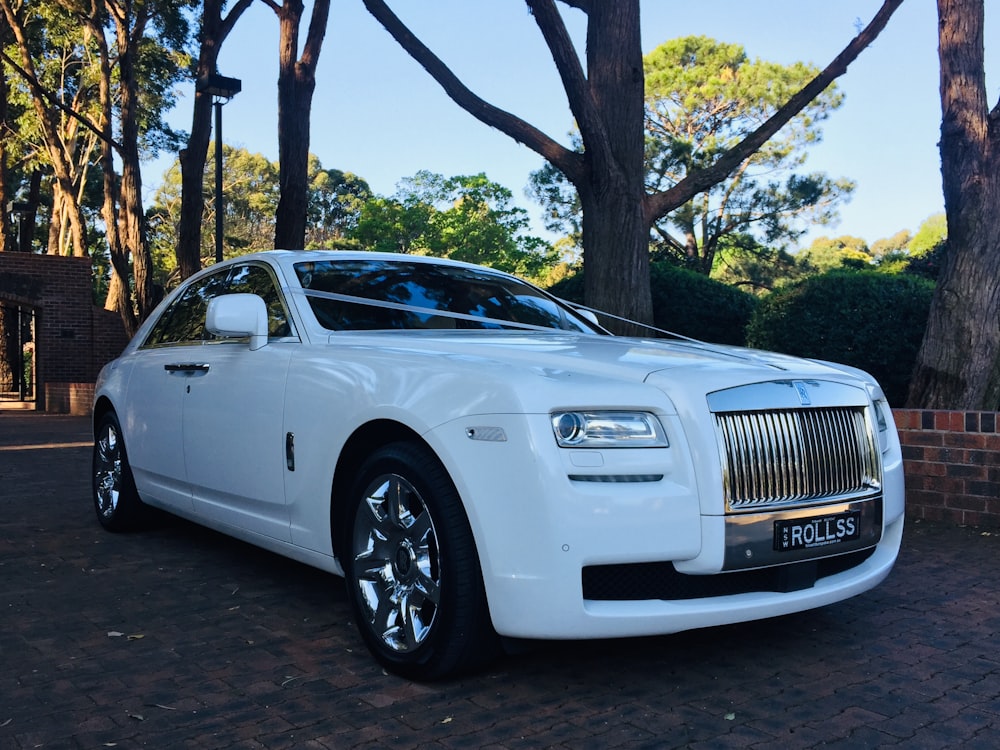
(608, 429)
(881, 407)
(883, 415)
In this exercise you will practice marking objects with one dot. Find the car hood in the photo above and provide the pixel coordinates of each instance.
(622, 358)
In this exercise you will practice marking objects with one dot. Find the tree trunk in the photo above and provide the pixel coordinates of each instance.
(7, 346)
(957, 366)
(132, 216)
(294, 104)
(615, 233)
(193, 159)
(214, 31)
(6, 236)
(296, 84)
(616, 259)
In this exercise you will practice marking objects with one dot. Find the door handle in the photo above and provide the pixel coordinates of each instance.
(187, 367)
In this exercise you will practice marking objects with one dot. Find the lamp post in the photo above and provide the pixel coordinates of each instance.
(221, 89)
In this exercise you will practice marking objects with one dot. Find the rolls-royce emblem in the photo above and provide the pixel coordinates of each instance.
(803, 392)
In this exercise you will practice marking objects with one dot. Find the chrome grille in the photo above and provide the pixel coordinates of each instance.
(796, 456)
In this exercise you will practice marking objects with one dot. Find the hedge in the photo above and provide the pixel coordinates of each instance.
(869, 320)
(687, 303)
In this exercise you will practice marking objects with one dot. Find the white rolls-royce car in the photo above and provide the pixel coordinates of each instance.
(481, 460)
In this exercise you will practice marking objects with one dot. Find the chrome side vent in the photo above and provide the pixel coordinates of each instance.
(794, 457)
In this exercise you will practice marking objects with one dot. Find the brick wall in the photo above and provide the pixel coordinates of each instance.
(952, 465)
(73, 338)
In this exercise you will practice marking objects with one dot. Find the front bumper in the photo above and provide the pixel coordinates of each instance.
(538, 530)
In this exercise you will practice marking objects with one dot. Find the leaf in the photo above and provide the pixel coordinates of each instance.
(730, 716)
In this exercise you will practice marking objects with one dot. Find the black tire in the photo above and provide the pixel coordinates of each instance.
(116, 500)
(412, 570)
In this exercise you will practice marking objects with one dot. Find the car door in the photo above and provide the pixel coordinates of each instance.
(234, 441)
(162, 370)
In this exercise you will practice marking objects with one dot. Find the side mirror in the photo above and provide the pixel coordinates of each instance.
(238, 316)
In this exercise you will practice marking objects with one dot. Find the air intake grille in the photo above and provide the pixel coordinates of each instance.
(796, 456)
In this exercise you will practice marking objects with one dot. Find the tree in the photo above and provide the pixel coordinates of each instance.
(702, 98)
(6, 130)
(142, 69)
(606, 99)
(250, 182)
(49, 68)
(467, 218)
(124, 57)
(742, 261)
(958, 366)
(829, 253)
(214, 30)
(930, 235)
(335, 201)
(296, 84)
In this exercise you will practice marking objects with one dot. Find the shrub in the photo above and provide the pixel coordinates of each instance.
(869, 320)
(687, 303)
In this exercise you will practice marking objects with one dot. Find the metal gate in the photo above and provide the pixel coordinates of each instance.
(18, 362)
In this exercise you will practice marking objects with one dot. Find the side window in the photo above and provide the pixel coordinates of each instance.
(251, 279)
(184, 321)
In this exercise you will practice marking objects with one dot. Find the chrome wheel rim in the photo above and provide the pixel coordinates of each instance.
(107, 471)
(396, 563)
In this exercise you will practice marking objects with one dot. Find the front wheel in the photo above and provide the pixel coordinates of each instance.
(412, 568)
(116, 499)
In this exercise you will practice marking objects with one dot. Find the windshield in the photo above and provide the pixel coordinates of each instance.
(369, 294)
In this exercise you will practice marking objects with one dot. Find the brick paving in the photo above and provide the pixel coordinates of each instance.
(178, 637)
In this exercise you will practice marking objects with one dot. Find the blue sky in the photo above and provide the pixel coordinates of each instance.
(380, 115)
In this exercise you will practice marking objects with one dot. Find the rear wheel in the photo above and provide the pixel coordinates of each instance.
(412, 568)
(116, 500)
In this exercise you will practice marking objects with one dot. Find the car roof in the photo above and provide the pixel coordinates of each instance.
(287, 257)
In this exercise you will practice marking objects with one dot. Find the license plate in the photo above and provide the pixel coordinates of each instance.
(817, 531)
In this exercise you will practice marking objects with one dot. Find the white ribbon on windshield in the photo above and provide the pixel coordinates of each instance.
(429, 311)
(526, 326)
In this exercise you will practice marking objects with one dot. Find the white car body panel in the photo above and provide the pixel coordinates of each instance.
(535, 527)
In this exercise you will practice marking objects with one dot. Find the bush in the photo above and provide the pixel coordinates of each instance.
(869, 320)
(687, 303)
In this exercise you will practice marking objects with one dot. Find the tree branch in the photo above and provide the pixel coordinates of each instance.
(659, 204)
(315, 35)
(567, 62)
(567, 161)
(52, 99)
(230, 19)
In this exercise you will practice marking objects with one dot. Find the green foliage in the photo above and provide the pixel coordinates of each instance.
(744, 263)
(250, 190)
(930, 235)
(830, 253)
(335, 201)
(921, 254)
(869, 320)
(687, 303)
(466, 218)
